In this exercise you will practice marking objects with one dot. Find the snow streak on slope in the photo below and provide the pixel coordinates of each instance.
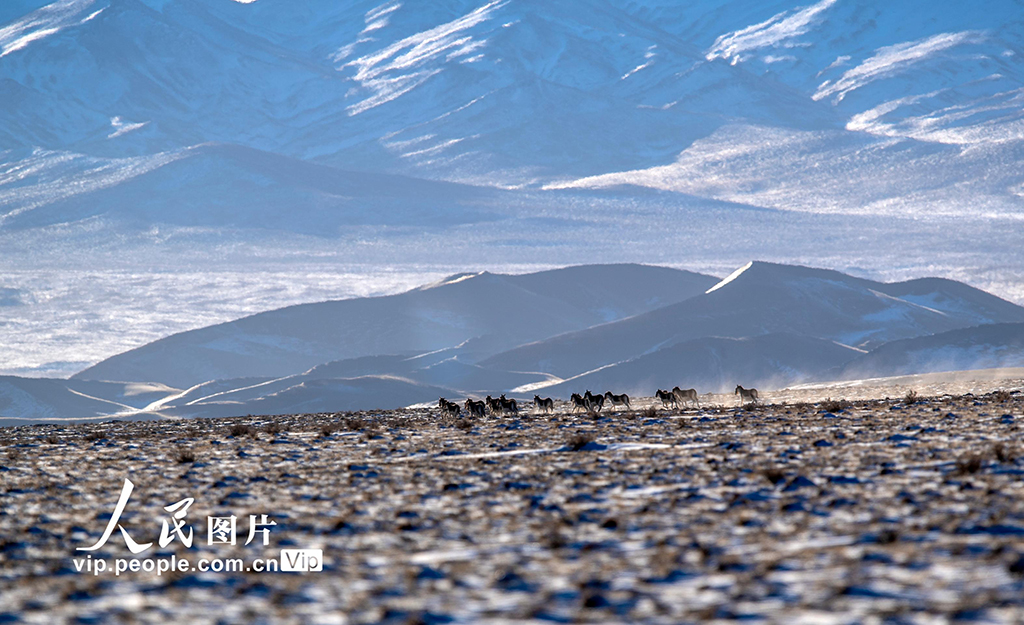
(122, 126)
(44, 22)
(845, 174)
(988, 119)
(732, 276)
(401, 66)
(911, 69)
(892, 60)
(48, 176)
(775, 32)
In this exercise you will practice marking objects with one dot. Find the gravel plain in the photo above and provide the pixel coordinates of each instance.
(800, 510)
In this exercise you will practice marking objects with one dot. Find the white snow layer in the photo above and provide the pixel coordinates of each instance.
(42, 23)
(891, 60)
(776, 31)
(400, 67)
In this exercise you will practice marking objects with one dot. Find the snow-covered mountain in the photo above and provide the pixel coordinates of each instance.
(480, 314)
(524, 92)
(766, 298)
(453, 88)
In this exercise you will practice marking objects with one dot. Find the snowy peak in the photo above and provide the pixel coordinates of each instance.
(455, 279)
(757, 275)
(946, 301)
(732, 276)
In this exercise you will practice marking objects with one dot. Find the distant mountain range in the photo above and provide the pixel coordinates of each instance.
(472, 315)
(182, 112)
(627, 328)
(137, 136)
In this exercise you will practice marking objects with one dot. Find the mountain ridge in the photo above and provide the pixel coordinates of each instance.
(443, 315)
(765, 298)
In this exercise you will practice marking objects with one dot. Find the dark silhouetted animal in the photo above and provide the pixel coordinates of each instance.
(617, 400)
(449, 407)
(545, 404)
(476, 408)
(667, 398)
(508, 405)
(578, 403)
(493, 405)
(682, 396)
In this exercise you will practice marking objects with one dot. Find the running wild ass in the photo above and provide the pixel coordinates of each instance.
(545, 404)
(682, 396)
(667, 398)
(617, 400)
(746, 394)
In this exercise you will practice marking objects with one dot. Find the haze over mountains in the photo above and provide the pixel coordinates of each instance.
(627, 328)
(472, 313)
(144, 139)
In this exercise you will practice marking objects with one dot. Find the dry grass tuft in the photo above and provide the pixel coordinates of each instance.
(1003, 454)
(969, 465)
(649, 412)
(273, 429)
(239, 430)
(834, 405)
(353, 424)
(92, 437)
(185, 456)
(1002, 396)
(774, 475)
(327, 430)
(911, 397)
(580, 440)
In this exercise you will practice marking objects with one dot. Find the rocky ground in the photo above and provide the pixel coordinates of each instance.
(905, 510)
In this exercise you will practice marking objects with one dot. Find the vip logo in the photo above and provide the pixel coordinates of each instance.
(302, 560)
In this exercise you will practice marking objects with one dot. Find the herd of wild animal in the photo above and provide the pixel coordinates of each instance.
(587, 402)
